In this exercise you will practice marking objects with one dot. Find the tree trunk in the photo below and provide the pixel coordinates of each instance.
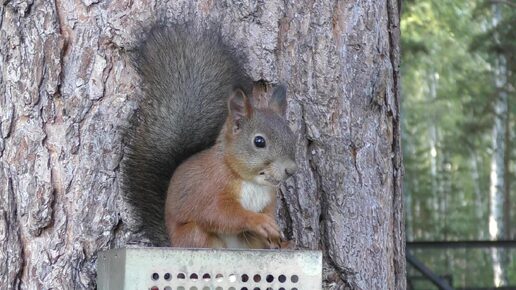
(480, 199)
(67, 92)
(497, 176)
(435, 162)
(508, 175)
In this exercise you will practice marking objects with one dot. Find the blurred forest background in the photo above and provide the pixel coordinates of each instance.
(459, 136)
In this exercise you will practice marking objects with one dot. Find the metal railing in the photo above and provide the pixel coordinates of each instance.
(439, 281)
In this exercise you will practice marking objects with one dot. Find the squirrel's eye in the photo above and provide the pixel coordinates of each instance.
(259, 142)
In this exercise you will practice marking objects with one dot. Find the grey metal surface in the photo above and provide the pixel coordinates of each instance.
(207, 269)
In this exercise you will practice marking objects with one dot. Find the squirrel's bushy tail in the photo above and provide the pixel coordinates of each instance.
(187, 76)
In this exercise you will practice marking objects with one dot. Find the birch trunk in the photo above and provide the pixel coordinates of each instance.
(67, 91)
(497, 176)
(508, 175)
(480, 199)
(435, 158)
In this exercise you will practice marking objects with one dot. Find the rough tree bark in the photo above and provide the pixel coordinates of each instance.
(67, 92)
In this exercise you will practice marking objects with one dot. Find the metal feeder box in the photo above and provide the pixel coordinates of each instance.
(208, 269)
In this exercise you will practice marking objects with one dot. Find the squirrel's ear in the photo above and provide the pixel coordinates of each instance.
(278, 102)
(240, 107)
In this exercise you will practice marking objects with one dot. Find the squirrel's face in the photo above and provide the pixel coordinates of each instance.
(260, 142)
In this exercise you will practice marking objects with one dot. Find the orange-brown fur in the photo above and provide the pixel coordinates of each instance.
(204, 200)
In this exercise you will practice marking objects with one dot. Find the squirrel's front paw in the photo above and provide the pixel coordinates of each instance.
(280, 244)
(265, 226)
(290, 245)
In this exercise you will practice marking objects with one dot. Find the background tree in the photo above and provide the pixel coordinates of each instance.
(459, 188)
(497, 187)
(67, 92)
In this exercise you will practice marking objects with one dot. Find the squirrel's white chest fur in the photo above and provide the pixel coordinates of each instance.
(255, 197)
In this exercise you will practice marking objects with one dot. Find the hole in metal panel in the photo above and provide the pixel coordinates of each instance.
(155, 276)
(256, 288)
(294, 288)
(281, 288)
(270, 278)
(244, 288)
(181, 276)
(257, 278)
(245, 278)
(154, 288)
(194, 277)
(206, 277)
(206, 288)
(193, 288)
(180, 288)
(167, 276)
(282, 278)
(232, 277)
(219, 288)
(168, 288)
(230, 288)
(294, 278)
(219, 277)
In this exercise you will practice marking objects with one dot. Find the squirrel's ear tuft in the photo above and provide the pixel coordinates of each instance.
(240, 107)
(278, 102)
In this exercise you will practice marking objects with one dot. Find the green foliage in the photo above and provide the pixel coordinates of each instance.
(449, 48)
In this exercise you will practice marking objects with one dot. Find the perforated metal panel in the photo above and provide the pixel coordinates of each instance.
(200, 269)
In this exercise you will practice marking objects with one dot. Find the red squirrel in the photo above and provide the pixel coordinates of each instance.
(206, 158)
